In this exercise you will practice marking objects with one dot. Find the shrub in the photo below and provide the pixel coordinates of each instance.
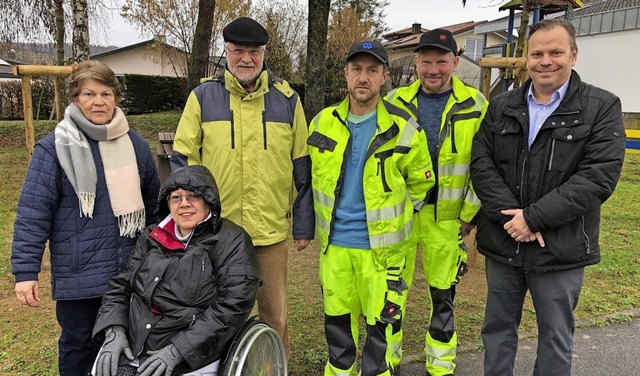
(144, 94)
(42, 98)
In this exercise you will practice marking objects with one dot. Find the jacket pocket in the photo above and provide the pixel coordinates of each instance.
(566, 147)
(321, 141)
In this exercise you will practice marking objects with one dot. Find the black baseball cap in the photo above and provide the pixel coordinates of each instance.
(374, 48)
(439, 38)
(245, 31)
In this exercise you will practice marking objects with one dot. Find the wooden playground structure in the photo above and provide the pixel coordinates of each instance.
(25, 72)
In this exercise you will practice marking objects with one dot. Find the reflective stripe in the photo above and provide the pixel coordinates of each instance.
(472, 198)
(390, 212)
(390, 238)
(437, 363)
(336, 372)
(417, 204)
(450, 194)
(436, 355)
(323, 199)
(408, 134)
(322, 223)
(453, 170)
(396, 349)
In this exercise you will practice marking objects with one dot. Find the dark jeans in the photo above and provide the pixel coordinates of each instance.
(554, 295)
(76, 350)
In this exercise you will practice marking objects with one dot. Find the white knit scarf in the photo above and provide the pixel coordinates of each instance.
(119, 161)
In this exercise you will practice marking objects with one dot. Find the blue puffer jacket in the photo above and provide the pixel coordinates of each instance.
(85, 252)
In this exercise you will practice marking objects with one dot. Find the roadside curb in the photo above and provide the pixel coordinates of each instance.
(478, 346)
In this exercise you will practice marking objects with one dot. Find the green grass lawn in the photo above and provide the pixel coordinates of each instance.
(28, 336)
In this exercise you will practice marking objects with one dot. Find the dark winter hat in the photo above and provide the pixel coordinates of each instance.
(440, 38)
(246, 31)
(374, 48)
(195, 178)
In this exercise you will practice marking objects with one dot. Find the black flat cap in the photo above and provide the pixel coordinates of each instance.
(246, 31)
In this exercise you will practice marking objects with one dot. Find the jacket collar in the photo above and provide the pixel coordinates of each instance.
(570, 102)
(384, 120)
(233, 86)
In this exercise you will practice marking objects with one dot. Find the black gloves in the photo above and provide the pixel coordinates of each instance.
(115, 344)
(161, 362)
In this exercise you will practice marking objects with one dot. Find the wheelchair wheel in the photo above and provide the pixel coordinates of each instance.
(257, 350)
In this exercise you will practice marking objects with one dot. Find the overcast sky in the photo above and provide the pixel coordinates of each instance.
(400, 14)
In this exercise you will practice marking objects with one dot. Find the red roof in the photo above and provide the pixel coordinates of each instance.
(403, 38)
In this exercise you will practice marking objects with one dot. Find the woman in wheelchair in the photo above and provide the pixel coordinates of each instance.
(188, 287)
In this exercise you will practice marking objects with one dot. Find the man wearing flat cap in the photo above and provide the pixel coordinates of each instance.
(248, 127)
(450, 113)
(370, 171)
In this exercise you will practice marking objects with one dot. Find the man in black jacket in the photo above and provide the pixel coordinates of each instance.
(545, 159)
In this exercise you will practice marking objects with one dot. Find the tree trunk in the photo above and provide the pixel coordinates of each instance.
(58, 12)
(59, 17)
(199, 61)
(527, 7)
(80, 31)
(314, 95)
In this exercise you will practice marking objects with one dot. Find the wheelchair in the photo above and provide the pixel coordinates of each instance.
(256, 350)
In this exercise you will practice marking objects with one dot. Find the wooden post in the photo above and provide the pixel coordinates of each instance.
(486, 82)
(25, 72)
(57, 100)
(486, 63)
(27, 110)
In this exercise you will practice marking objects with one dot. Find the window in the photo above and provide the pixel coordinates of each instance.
(473, 48)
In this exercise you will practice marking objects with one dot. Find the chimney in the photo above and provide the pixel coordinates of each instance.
(416, 28)
(11, 54)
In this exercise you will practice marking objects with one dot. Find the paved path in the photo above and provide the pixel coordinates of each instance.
(613, 349)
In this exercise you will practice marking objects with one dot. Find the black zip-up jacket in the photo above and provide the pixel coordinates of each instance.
(196, 296)
(560, 182)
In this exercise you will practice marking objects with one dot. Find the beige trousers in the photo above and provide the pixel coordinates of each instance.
(272, 295)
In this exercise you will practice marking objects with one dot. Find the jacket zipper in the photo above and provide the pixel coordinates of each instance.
(553, 147)
(264, 131)
(584, 233)
(524, 163)
(233, 133)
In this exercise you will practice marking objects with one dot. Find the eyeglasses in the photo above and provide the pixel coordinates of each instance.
(242, 51)
(177, 199)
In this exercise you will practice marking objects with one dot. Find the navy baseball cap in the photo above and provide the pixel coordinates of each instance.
(374, 48)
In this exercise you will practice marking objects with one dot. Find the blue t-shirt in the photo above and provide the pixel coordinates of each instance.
(350, 224)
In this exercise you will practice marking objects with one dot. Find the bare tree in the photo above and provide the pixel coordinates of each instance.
(345, 28)
(368, 11)
(318, 22)
(26, 20)
(176, 22)
(286, 23)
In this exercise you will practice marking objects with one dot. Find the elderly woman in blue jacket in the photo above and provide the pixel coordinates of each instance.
(90, 190)
(188, 288)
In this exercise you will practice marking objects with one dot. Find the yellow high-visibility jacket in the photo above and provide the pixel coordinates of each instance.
(461, 119)
(255, 146)
(396, 178)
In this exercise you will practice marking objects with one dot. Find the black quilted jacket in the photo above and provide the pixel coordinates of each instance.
(571, 168)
